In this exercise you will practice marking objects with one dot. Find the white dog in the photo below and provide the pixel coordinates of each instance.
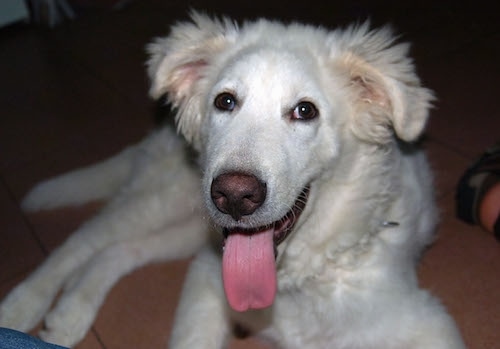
(321, 206)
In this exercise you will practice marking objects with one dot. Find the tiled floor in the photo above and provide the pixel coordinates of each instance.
(78, 93)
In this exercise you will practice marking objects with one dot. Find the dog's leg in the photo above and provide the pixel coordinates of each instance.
(104, 180)
(202, 319)
(96, 182)
(25, 305)
(128, 217)
(147, 203)
(75, 312)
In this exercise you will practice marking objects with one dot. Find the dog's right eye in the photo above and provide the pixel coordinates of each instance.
(225, 102)
(304, 111)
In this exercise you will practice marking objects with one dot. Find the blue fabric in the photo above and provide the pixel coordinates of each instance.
(10, 339)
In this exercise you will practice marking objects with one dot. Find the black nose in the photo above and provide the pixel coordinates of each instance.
(238, 194)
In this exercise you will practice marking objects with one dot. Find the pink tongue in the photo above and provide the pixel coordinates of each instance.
(249, 270)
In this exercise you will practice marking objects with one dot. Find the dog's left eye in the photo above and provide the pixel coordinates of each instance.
(304, 111)
(225, 102)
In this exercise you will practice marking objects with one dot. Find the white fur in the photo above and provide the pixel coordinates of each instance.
(345, 279)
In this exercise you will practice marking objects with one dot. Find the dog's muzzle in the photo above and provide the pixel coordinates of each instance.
(248, 265)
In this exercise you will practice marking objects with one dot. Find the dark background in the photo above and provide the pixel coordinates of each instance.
(76, 93)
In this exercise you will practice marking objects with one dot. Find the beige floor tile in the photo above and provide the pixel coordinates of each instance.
(462, 269)
(139, 311)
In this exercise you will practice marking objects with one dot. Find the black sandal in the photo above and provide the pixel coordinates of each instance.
(474, 183)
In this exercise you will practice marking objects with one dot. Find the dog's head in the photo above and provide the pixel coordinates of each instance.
(267, 106)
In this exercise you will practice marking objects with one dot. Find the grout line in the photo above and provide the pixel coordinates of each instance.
(24, 218)
(98, 337)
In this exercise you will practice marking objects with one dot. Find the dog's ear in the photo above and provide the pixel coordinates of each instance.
(178, 61)
(387, 95)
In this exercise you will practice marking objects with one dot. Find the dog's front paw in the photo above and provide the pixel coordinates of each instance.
(23, 308)
(68, 323)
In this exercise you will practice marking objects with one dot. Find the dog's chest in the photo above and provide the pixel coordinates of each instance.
(304, 321)
(327, 269)
(325, 308)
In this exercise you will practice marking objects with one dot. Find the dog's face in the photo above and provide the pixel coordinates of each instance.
(269, 107)
(267, 117)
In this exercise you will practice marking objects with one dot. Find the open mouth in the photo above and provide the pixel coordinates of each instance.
(282, 227)
(248, 262)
